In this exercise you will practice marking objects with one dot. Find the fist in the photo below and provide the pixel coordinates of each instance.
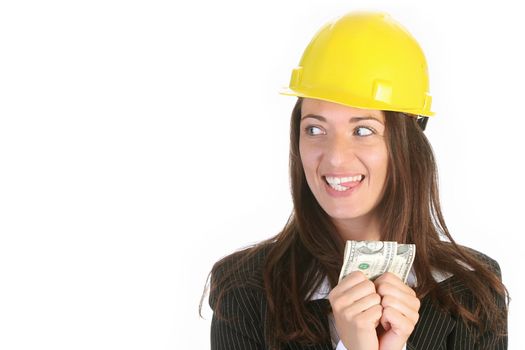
(357, 311)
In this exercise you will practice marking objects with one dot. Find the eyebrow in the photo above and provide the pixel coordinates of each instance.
(352, 120)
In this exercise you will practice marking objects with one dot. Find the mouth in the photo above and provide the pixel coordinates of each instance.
(342, 184)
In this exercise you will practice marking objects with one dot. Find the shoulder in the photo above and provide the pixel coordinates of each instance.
(472, 268)
(477, 257)
(245, 266)
(238, 301)
(239, 274)
(491, 263)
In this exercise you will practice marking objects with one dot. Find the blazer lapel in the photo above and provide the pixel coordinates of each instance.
(432, 328)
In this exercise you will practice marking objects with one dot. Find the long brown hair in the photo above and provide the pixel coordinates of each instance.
(309, 247)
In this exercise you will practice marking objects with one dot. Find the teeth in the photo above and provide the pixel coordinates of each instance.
(338, 180)
(339, 187)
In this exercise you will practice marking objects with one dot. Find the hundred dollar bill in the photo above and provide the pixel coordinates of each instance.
(374, 258)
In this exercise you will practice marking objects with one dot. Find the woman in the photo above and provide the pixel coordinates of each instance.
(361, 169)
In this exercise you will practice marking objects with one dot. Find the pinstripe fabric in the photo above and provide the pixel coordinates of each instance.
(244, 323)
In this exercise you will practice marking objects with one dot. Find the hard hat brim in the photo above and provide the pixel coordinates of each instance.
(418, 112)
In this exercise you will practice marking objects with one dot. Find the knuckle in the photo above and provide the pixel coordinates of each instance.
(353, 278)
(378, 309)
(369, 285)
(336, 305)
(382, 288)
(387, 277)
(387, 300)
(418, 303)
(357, 276)
(347, 317)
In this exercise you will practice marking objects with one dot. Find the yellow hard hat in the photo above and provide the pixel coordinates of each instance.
(364, 60)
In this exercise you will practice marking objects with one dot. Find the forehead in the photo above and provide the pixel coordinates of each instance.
(334, 111)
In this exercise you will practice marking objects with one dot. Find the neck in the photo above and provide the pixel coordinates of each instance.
(365, 228)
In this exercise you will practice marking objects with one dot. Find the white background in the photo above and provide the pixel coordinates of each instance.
(141, 141)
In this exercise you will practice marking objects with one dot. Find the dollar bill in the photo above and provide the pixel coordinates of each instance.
(374, 258)
(403, 261)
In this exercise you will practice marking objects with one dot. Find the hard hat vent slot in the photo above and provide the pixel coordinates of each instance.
(382, 91)
(297, 74)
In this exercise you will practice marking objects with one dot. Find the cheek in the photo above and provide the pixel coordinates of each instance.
(309, 156)
(383, 164)
(378, 162)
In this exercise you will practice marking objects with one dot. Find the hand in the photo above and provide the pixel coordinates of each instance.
(400, 311)
(357, 311)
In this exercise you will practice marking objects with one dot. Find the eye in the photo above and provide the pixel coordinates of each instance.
(312, 130)
(364, 131)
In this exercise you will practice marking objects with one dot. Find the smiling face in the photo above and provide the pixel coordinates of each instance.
(345, 159)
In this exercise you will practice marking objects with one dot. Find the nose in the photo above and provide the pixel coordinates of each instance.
(339, 151)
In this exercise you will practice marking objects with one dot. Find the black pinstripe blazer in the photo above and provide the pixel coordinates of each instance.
(244, 310)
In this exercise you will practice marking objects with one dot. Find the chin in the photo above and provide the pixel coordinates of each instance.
(342, 214)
